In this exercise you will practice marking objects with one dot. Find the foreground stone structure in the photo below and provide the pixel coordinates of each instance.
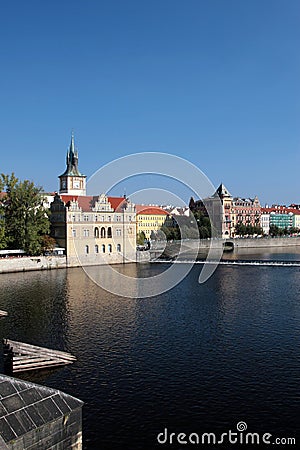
(38, 418)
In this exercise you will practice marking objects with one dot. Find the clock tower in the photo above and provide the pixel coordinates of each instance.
(72, 182)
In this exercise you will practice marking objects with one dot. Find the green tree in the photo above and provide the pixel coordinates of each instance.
(140, 240)
(240, 229)
(48, 243)
(26, 220)
(275, 231)
(171, 233)
(2, 222)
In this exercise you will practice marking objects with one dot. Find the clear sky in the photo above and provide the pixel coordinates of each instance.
(214, 81)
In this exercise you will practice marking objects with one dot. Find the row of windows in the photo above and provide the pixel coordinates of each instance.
(102, 233)
(91, 218)
(103, 248)
(155, 224)
(245, 211)
(152, 218)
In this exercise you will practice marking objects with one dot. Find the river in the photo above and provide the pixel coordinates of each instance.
(198, 358)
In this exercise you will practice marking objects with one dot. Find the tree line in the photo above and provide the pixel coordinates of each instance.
(24, 221)
(196, 226)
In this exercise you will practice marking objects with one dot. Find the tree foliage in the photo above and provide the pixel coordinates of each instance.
(25, 219)
(48, 243)
(2, 222)
(140, 239)
(277, 231)
(188, 227)
(242, 230)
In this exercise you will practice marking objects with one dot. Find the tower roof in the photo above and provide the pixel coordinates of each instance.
(72, 161)
(222, 192)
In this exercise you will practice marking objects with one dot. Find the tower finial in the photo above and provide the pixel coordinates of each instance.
(72, 145)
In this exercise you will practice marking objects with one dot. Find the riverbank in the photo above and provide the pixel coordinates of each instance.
(30, 263)
(27, 263)
(189, 245)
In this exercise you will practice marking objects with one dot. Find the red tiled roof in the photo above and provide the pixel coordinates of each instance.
(280, 210)
(86, 202)
(154, 210)
(116, 202)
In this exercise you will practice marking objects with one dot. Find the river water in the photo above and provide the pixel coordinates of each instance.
(198, 358)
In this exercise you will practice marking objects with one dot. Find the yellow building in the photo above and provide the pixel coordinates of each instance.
(149, 218)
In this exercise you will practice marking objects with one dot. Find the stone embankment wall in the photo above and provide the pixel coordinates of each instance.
(172, 248)
(24, 264)
(266, 242)
(143, 257)
(100, 259)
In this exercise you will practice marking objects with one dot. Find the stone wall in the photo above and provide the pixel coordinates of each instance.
(266, 242)
(100, 259)
(172, 248)
(24, 264)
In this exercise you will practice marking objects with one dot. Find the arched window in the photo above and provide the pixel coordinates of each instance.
(87, 250)
(103, 248)
(118, 247)
(96, 249)
(109, 235)
(109, 248)
(96, 232)
(103, 232)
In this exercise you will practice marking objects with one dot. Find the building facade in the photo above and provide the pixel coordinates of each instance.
(218, 208)
(226, 212)
(265, 221)
(245, 211)
(282, 217)
(150, 219)
(296, 219)
(92, 229)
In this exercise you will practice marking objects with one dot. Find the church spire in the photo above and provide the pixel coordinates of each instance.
(72, 160)
(72, 181)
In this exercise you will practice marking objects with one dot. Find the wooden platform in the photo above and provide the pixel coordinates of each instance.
(20, 357)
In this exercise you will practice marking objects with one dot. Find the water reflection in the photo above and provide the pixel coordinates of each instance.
(37, 307)
(197, 358)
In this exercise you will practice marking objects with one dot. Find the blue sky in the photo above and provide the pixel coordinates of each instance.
(215, 82)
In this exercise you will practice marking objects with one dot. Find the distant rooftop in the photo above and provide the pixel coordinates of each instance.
(153, 210)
